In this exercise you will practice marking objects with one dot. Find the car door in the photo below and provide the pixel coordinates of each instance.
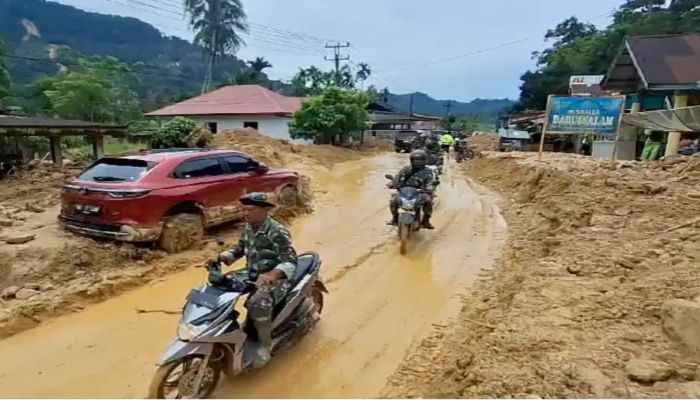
(205, 182)
(241, 178)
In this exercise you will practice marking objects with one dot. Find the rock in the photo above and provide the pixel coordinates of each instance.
(33, 286)
(20, 238)
(9, 292)
(33, 208)
(5, 222)
(573, 269)
(681, 322)
(694, 195)
(24, 293)
(46, 287)
(647, 371)
(633, 336)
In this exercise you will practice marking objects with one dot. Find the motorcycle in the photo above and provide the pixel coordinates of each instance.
(463, 151)
(211, 339)
(409, 214)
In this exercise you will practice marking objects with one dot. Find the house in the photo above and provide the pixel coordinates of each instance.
(240, 106)
(660, 76)
(385, 122)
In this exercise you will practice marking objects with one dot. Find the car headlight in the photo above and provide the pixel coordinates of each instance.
(187, 331)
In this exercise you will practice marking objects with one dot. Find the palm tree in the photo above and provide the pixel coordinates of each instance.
(363, 73)
(259, 64)
(217, 25)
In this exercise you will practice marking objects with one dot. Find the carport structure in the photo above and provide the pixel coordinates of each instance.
(18, 128)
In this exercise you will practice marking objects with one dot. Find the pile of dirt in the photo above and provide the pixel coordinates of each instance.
(487, 142)
(574, 306)
(36, 182)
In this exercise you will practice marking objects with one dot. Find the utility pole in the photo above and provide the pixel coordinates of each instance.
(337, 58)
(410, 112)
(448, 106)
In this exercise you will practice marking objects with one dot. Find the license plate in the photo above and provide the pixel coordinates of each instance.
(203, 299)
(87, 209)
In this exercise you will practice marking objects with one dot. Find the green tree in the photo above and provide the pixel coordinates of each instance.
(218, 25)
(173, 134)
(97, 90)
(363, 72)
(259, 64)
(253, 74)
(5, 82)
(333, 117)
(312, 81)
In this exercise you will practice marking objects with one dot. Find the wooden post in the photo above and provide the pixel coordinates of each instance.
(619, 124)
(98, 147)
(674, 138)
(544, 127)
(56, 152)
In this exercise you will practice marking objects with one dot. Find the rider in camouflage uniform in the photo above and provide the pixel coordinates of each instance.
(270, 262)
(418, 176)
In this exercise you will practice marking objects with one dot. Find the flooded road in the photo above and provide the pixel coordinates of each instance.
(379, 302)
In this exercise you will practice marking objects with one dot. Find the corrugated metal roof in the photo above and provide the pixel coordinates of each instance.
(234, 100)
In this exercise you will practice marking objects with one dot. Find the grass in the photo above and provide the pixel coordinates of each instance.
(116, 146)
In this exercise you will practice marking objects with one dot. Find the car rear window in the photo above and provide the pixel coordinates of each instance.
(116, 170)
(199, 168)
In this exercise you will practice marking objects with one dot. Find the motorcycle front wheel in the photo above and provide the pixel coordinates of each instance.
(404, 235)
(174, 380)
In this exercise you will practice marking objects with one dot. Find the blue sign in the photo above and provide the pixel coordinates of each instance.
(584, 115)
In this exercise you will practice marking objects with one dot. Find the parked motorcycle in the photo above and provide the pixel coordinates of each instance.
(463, 152)
(211, 339)
(409, 214)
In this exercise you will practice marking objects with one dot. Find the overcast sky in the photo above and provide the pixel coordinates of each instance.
(411, 45)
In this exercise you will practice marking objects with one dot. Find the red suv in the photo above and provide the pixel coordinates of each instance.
(168, 196)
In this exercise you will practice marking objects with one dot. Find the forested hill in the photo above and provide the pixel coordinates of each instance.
(424, 104)
(44, 29)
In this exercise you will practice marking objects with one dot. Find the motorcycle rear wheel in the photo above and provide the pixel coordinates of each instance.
(160, 384)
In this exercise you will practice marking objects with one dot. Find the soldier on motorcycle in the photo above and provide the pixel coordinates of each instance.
(261, 237)
(418, 176)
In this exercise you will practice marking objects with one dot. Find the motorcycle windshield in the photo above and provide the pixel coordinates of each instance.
(206, 304)
(408, 192)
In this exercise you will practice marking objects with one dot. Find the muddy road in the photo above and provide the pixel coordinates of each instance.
(379, 304)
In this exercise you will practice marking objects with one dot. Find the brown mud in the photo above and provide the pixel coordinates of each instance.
(379, 304)
(573, 307)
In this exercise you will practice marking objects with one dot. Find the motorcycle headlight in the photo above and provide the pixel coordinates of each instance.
(187, 331)
(408, 205)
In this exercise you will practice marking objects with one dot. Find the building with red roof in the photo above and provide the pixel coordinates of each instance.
(240, 106)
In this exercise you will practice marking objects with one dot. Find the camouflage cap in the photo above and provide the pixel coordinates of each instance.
(257, 199)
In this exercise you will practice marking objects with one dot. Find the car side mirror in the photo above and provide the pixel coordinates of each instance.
(262, 168)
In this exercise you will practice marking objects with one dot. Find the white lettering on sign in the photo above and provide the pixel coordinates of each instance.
(583, 120)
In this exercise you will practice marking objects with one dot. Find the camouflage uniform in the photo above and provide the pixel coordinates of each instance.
(271, 236)
(421, 179)
(433, 150)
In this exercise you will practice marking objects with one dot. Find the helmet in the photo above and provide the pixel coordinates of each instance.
(419, 158)
(257, 200)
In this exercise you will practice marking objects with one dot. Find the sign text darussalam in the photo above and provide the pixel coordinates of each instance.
(584, 115)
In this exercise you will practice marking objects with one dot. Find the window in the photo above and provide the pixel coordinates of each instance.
(251, 124)
(199, 168)
(116, 170)
(213, 126)
(238, 164)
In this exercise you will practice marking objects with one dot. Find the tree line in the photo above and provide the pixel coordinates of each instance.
(579, 48)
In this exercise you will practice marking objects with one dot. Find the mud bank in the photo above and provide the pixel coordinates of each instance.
(56, 272)
(573, 307)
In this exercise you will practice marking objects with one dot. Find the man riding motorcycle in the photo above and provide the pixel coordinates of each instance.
(433, 150)
(270, 262)
(418, 176)
(446, 141)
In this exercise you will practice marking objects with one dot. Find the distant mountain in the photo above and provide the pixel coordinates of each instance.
(43, 29)
(424, 104)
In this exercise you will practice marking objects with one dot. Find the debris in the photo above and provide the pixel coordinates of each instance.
(33, 208)
(9, 292)
(681, 322)
(647, 371)
(19, 239)
(24, 293)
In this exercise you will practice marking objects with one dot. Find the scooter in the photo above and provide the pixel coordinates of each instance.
(211, 339)
(409, 214)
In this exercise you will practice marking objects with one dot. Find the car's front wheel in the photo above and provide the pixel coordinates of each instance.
(180, 232)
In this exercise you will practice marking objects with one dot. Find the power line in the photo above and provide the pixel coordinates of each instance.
(337, 58)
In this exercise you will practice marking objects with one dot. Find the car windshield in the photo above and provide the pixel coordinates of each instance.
(115, 170)
(406, 134)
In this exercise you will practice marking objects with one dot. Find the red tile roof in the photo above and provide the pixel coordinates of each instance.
(234, 100)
